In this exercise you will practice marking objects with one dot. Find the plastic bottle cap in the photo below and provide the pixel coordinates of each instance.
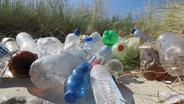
(120, 47)
(70, 96)
(88, 39)
(95, 63)
(77, 32)
(133, 31)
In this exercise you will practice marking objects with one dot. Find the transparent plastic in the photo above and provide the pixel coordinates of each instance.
(90, 46)
(150, 63)
(171, 52)
(51, 71)
(104, 88)
(49, 46)
(4, 57)
(142, 35)
(97, 39)
(10, 44)
(26, 43)
(72, 39)
(115, 67)
(106, 51)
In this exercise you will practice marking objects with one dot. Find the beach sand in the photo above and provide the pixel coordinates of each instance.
(135, 90)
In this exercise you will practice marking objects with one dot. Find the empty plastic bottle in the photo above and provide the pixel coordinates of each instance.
(97, 39)
(115, 67)
(104, 55)
(150, 63)
(77, 83)
(26, 43)
(126, 50)
(104, 88)
(106, 51)
(72, 39)
(10, 44)
(90, 46)
(3, 50)
(49, 46)
(143, 36)
(171, 52)
(51, 71)
(109, 37)
(4, 57)
(20, 62)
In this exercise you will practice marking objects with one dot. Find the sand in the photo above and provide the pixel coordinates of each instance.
(136, 90)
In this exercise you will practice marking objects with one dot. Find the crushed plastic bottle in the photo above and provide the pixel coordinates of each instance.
(51, 71)
(150, 64)
(49, 46)
(109, 37)
(72, 39)
(77, 83)
(97, 39)
(90, 46)
(104, 88)
(171, 52)
(26, 43)
(143, 36)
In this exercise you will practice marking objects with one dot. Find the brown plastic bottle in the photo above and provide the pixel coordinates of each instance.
(150, 64)
(19, 64)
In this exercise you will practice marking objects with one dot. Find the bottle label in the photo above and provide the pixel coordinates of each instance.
(3, 50)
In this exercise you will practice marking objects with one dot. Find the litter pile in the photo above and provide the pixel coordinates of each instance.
(94, 60)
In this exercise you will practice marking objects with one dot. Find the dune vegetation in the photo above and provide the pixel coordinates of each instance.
(43, 18)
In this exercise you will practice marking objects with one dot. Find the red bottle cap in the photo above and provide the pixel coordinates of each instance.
(120, 47)
(95, 63)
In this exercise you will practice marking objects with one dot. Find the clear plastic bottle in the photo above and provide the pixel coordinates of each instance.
(51, 71)
(26, 43)
(97, 39)
(4, 57)
(106, 51)
(115, 67)
(72, 39)
(49, 46)
(171, 52)
(104, 88)
(10, 44)
(90, 46)
(77, 83)
(143, 36)
(150, 63)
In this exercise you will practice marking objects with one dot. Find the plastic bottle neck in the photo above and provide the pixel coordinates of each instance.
(70, 96)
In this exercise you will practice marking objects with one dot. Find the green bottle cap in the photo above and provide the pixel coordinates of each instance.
(109, 37)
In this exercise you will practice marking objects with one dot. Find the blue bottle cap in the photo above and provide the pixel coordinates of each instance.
(77, 32)
(88, 39)
(133, 31)
(70, 96)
